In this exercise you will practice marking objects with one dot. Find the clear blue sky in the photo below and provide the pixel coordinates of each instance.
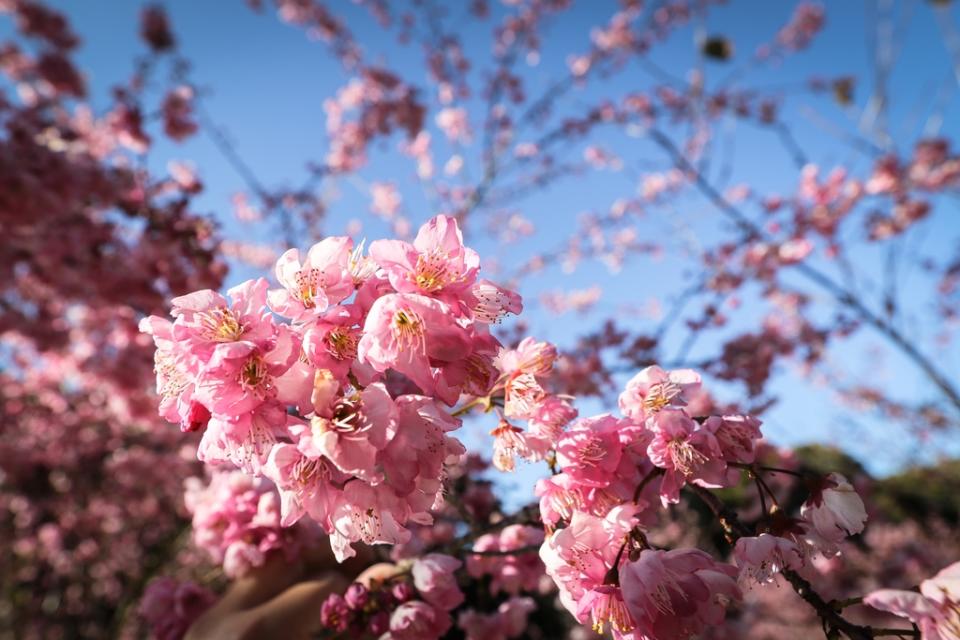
(266, 82)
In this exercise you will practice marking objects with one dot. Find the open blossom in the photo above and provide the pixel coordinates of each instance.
(559, 498)
(590, 451)
(605, 607)
(330, 345)
(322, 280)
(490, 302)
(525, 398)
(351, 430)
(434, 578)
(240, 376)
(175, 371)
(935, 610)
(436, 264)
(654, 389)
(737, 436)
(304, 483)
(673, 595)
(686, 453)
(509, 442)
(417, 454)
(579, 557)
(413, 333)
(521, 395)
(835, 510)
(550, 417)
(206, 320)
(245, 440)
(364, 513)
(763, 557)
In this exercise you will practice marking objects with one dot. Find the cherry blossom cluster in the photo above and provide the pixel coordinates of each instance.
(170, 606)
(523, 372)
(615, 475)
(344, 407)
(510, 573)
(236, 520)
(416, 605)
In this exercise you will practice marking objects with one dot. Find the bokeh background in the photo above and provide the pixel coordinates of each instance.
(585, 214)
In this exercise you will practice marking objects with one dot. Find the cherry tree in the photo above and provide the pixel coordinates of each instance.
(330, 397)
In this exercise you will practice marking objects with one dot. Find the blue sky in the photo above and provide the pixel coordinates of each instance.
(265, 82)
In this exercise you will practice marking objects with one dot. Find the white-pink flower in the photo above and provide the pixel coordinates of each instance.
(763, 557)
(323, 279)
(653, 389)
(835, 510)
(936, 609)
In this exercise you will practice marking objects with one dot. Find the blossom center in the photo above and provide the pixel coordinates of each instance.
(347, 416)
(660, 395)
(306, 469)
(592, 452)
(686, 458)
(367, 523)
(408, 330)
(433, 272)
(342, 344)
(609, 608)
(220, 325)
(254, 375)
(309, 283)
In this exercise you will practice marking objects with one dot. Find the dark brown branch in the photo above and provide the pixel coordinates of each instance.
(828, 613)
(841, 295)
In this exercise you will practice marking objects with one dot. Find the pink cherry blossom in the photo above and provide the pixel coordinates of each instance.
(835, 510)
(351, 430)
(590, 451)
(304, 484)
(685, 452)
(580, 557)
(206, 320)
(935, 610)
(435, 579)
(763, 557)
(413, 333)
(240, 376)
(654, 389)
(363, 513)
(175, 370)
(436, 264)
(673, 595)
(737, 436)
(245, 440)
(322, 280)
(490, 303)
